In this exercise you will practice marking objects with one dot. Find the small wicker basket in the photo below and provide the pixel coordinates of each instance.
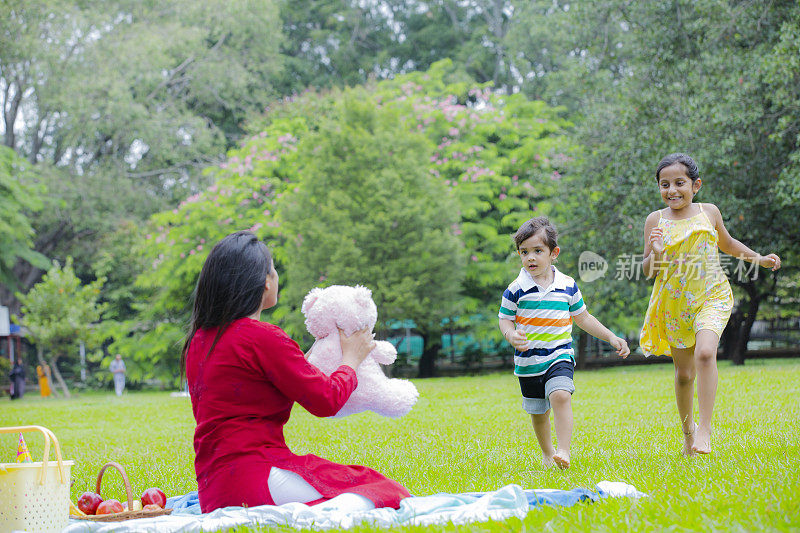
(124, 515)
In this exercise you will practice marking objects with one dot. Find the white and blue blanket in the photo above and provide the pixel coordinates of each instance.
(507, 502)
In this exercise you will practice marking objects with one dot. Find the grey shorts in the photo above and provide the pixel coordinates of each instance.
(536, 390)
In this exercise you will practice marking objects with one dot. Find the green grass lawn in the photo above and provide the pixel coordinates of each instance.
(470, 434)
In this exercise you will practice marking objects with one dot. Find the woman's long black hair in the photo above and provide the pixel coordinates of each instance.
(230, 285)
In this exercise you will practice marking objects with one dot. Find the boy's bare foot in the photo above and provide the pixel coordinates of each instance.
(688, 442)
(702, 441)
(561, 459)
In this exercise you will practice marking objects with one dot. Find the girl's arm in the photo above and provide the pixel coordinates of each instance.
(593, 327)
(736, 248)
(653, 245)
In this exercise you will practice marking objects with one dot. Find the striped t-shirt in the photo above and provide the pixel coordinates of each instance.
(545, 316)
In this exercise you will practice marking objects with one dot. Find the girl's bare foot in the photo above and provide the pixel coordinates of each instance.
(688, 442)
(547, 461)
(702, 441)
(561, 459)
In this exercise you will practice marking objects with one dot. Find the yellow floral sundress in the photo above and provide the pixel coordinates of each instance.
(691, 292)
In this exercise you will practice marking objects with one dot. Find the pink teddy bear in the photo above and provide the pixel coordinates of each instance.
(351, 309)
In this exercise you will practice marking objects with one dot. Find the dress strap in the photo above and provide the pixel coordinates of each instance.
(706, 215)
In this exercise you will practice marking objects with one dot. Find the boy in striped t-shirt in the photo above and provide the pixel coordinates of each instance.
(536, 316)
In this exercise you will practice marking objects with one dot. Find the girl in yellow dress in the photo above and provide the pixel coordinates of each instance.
(691, 300)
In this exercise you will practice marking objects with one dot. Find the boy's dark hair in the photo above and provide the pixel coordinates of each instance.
(230, 285)
(684, 159)
(531, 227)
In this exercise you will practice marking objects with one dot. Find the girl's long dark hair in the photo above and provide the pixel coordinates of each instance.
(230, 285)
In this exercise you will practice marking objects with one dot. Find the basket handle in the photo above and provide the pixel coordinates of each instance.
(124, 479)
(46, 456)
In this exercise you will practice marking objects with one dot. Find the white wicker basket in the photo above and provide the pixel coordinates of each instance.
(34, 497)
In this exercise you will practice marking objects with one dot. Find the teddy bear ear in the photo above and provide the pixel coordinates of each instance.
(363, 295)
(310, 298)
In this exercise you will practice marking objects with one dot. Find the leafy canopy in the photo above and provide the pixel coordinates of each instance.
(59, 311)
(19, 200)
(394, 184)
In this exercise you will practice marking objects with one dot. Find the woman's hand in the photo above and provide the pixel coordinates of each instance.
(356, 347)
(770, 261)
(657, 240)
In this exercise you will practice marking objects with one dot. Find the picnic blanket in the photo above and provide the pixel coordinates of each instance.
(509, 501)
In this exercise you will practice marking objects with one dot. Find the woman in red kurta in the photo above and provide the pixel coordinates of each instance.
(244, 376)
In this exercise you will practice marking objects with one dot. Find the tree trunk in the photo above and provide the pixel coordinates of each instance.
(740, 348)
(432, 344)
(10, 113)
(59, 379)
(749, 316)
(583, 346)
(730, 334)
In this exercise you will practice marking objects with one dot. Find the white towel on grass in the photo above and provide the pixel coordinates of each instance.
(438, 509)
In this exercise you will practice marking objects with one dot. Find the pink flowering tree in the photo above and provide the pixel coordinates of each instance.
(335, 182)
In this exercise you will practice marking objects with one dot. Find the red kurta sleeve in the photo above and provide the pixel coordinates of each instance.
(285, 365)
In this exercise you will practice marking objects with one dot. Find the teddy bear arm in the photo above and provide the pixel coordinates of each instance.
(384, 352)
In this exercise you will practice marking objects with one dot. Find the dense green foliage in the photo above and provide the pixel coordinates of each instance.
(128, 101)
(347, 42)
(60, 312)
(207, 114)
(415, 185)
(19, 199)
(721, 86)
(470, 434)
(366, 211)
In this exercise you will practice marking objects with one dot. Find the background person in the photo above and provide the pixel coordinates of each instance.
(117, 368)
(44, 382)
(17, 377)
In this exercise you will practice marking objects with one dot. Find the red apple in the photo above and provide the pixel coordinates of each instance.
(151, 507)
(109, 507)
(89, 501)
(155, 496)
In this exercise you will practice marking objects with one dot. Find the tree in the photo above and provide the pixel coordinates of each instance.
(703, 89)
(59, 312)
(127, 101)
(504, 159)
(346, 42)
(379, 219)
(571, 53)
(331, 43)
(245, 192)
(495, 158)
(782, 74)
(469, 33)
(19, 198)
